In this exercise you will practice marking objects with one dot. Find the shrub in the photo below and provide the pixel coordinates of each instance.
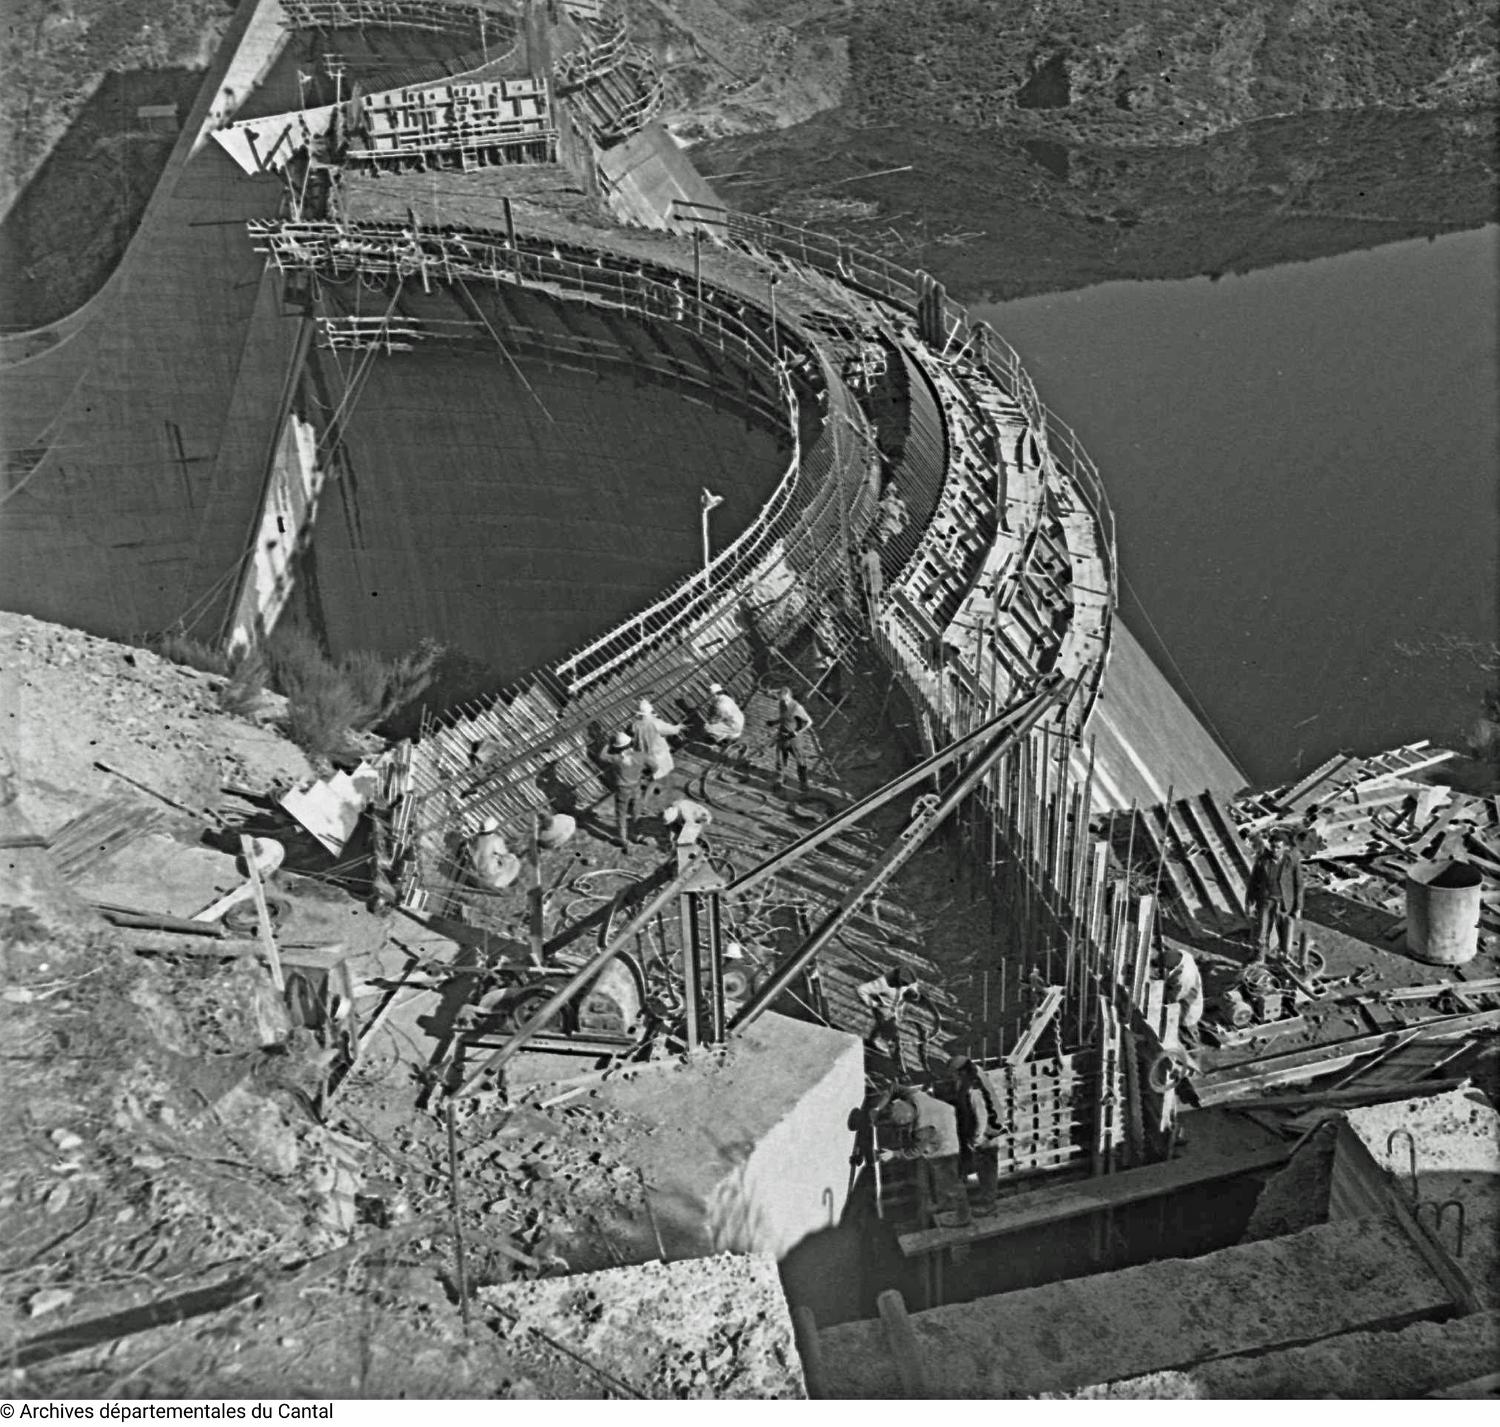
(328, 700)
(241, 691)
(192, 653)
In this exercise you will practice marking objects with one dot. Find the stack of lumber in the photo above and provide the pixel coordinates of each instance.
(1365, 823)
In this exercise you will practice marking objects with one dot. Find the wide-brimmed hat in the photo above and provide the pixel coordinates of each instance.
(621, 739)
(716, 688)
(490, 825)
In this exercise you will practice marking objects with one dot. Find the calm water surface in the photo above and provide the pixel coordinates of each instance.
(1304, 467)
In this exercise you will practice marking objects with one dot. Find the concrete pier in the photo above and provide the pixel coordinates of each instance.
(1330, 1279)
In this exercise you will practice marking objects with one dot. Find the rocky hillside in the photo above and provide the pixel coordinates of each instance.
(188, 1210)
(1155, 71)
(54, 56)
(1118, 71)
(1014, 149)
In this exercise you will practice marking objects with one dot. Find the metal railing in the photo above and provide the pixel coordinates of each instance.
(799, 528)
(1061, 449)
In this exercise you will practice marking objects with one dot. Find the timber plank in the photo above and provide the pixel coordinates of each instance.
(1057, 1203)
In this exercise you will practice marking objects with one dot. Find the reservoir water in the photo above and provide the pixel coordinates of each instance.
(1303, 464)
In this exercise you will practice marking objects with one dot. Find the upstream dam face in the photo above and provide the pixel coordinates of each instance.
(514, 501)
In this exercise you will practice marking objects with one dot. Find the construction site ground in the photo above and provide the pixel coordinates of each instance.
(158, 1145)
(160, 1160)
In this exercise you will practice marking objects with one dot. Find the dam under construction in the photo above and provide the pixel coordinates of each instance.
(431, 332)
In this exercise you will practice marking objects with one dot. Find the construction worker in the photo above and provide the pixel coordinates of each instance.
(980, 1126)
(1184, 989)
(928, 1130)
(1277, 894)
(689, 818)
(494, 865)
(650, 733)
(623, 768)
(886, 997)
(891, 515)
(723, 720)
(830, 681)
(556, 829)
(791, 723)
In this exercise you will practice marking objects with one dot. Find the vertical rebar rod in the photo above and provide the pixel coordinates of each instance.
(460, 1267)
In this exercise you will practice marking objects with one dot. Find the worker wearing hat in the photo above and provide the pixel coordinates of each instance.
(650, 731)
(623, 768)
(493, 864)
(980, 1127)
(688, 817)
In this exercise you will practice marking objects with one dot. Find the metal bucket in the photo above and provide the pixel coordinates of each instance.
(1442, 912)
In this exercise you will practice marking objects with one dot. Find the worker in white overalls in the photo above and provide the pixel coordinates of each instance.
(1184, 988)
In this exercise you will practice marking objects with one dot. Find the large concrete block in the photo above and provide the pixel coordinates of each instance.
(1426, 1357)
(1454, 1141)
(749, 1152)
(1326, 1280)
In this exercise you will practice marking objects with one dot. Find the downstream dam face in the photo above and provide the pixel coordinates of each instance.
(524, 475)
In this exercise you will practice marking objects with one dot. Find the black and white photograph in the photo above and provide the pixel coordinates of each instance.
(747, 700)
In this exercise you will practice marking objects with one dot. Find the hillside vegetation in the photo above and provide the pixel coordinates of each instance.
(1019, 148)
(53, 56)
(1154, 71)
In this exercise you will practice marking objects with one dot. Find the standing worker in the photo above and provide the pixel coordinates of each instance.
(980, 1126)
(830, 683)
(930, 1128)
(650, 734)
(886, 997)
(495, 866)
(791, 723)
(1184, 989)
(1277, 893)
(623, 767)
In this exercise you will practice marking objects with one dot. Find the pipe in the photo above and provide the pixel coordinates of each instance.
(576, 983)
(891, 860)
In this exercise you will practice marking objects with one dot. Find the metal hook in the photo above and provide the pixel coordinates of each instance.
(1439, 1213)
(1411, 1146)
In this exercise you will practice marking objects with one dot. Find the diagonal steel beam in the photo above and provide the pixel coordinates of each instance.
(1016, 724)
(919, 773)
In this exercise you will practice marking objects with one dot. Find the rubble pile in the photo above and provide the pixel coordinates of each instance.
(1366, 824)
(196, 1201)
(703, 1328)
(76, 701)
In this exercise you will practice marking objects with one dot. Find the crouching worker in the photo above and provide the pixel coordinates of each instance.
(493, 864)
(689, 818)
(723, 719)
(926, 1132)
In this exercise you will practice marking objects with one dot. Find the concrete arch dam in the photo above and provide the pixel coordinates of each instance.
(515, 472)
